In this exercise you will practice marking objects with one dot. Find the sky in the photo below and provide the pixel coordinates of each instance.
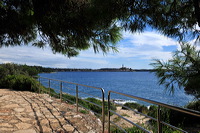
(136, 51)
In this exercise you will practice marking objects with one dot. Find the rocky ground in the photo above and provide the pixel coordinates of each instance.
(28, 112)
(130, 115)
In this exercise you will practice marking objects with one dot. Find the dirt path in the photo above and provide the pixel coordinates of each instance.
(27, 112)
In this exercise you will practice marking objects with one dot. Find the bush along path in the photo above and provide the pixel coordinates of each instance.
(28, 112)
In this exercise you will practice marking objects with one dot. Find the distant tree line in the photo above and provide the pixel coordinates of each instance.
(14, 69)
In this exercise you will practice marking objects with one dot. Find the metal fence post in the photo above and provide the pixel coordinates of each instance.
(108, 112)
(159, 120)
(49, 87)
(77, 98)
(61, 91)
(103, 110)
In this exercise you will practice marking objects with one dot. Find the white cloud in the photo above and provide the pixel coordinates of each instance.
(44, 57)
(150, 38)
(134, 47)
(134, 52)
(146, 45)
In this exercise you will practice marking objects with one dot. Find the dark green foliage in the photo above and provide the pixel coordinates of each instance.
(137, 130)
(165, 114)
(172, 117)
(99, 102)
(153, 111)
(83, 111)
(182, 119)
(66, 26)
(194, 105)
(139, 107)
(3, 72)
(129, 130)
(69, 26)
(19, 77)
(131, 105)
(31, 70)
(91, 106)
(19, 82)
(70, 98)
(182, 71)
(175, 118)
(10, 69)
(15, 69)
(88, 105)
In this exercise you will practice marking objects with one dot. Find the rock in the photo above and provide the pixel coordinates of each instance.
(4, 113)
(92, 131)
(39, 114)
(24, 119)
(44, 122)
(77, 116)
(68, 128)
(49, 100)
(5, 117)
(11, 106)
(32, 114)
(13, 121)
(26, 131)
(23, 125)
(19, 109)
(99, 122)
(6, 130)
(5, 125)
(55, 125)
(46, 129)
(36, 114)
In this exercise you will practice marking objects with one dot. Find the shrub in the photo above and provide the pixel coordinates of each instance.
(175, 118)
(88, 105)
(83, 111)
(129, 130)
(67, 97)
(96, 108)
(140, 108)
(19, 82)
(194, 105)
(131, 105)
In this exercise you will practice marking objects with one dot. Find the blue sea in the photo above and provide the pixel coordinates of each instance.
(141, 84)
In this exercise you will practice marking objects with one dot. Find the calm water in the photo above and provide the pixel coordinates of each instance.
(142, 84)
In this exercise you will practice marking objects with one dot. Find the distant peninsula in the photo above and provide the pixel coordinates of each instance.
(102, 70)
(40, 69)
(122, 69)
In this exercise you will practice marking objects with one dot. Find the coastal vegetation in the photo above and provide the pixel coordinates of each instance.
(182, 71)
(19, 77)
(80, 24)
(181, 120)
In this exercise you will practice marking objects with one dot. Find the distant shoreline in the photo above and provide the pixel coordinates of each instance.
(102, 70)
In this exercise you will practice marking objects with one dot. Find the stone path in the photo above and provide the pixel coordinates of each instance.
(27, 112)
